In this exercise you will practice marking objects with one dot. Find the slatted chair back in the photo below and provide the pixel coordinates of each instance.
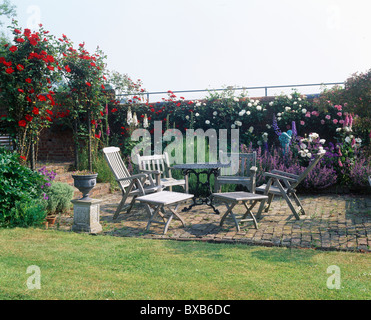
(240, 163)
(117, 165)
(6, 142)
(158, 162)
(310, 167)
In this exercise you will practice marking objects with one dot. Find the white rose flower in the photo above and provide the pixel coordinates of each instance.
(347, 139)
(279, 118)
(304, 110)
(207, 122)
(249, 104)
(198, 104)
(238, 123)
(215, 113)
(268, 126)
(279, 114)
(309, 155)
(197, 114)
(295, 103)
(187, 117)
(248, 113)
(251, 129)
(258, 108)
(271, 103)
(322, 141)
(338, 129)
(358, 140)
(236, 99)
(242, 112)
(289, 96)
(287, 109)
(233, 126)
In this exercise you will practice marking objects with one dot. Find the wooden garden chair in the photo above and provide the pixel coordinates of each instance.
(245, 169)
(158, 166)
(284, 184)
(131, 185)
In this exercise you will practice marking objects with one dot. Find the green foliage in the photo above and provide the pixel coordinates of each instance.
(20, 189)
(25, 213)
(59, 197)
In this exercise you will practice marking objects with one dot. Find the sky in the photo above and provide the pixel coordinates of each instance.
(206, 44)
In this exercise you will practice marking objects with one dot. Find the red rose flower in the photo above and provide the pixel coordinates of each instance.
(35, 111)
(7, 64)
(88, 84)
(22, 123)
(2, 60)
(67, 68)
(103, 87)
(49, 119)
(41, 98)
(49, 112)
(17, 31)
(29, 99)
(113, 110)
(51, 68)
(28, 118)
(9, 70)
(20, 67)
(20, 90)
(13, 48)
(28, 80)
(101, 113)
(23, 158)
(20, 40)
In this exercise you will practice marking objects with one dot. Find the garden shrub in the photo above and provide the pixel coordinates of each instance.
(59, 197)
(25, 213)
(20, 191)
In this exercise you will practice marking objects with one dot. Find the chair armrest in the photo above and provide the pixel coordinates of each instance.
(277, 176)
(135, 176)
(151, 171)
(291, 175)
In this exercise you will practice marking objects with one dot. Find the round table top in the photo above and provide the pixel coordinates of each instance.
(195, 166)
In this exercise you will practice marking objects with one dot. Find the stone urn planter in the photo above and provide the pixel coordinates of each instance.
(85, 182)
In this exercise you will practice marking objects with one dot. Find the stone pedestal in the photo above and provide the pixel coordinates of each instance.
(86, 216)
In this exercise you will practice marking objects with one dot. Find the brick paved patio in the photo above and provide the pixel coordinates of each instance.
(332, 222)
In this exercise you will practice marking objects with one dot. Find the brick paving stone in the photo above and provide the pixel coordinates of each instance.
(336, 222)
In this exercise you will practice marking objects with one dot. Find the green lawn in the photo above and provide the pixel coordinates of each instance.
(78, 266)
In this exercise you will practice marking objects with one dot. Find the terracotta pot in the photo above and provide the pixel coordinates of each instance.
(51, 220)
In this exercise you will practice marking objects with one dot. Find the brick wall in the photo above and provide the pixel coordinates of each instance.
(56, 145)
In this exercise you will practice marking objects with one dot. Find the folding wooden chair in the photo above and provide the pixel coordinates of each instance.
(283, 184)
(243, 171)
(159, 167)
(131, 185)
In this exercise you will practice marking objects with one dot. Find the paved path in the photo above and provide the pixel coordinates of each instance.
(332, 223)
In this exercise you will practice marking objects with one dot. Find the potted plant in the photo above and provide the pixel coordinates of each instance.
(85, 181)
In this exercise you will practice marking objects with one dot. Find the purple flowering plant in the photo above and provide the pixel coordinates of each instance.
(49, 178)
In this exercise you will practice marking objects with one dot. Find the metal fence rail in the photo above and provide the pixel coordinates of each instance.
(266, 88)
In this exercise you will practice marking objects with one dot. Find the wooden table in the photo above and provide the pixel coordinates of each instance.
(231, 199)
(161, 200)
